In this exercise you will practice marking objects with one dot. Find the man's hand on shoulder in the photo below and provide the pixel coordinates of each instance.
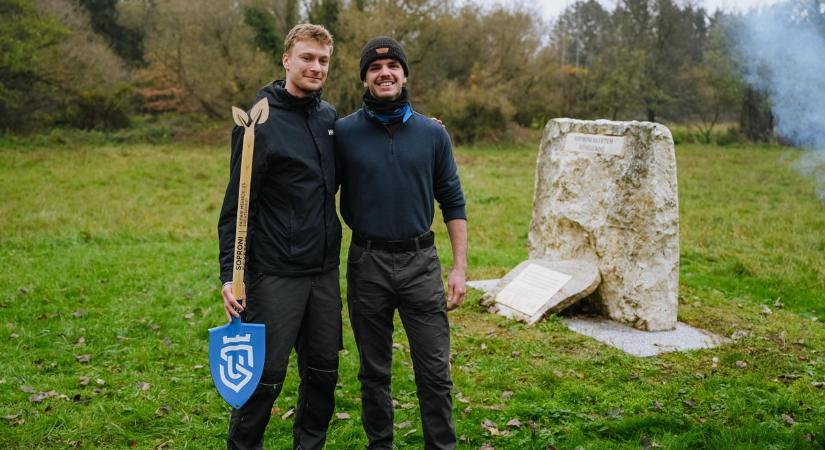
(439, 122)
(456, 288)
(231, 306)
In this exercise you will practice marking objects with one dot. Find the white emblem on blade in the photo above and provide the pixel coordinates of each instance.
(331, 132)
(236, 361)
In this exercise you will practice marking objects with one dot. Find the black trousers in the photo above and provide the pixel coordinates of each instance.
(378, 283)
(302, 313)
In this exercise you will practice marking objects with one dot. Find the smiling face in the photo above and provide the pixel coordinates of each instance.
(385, 78)
(307, 65)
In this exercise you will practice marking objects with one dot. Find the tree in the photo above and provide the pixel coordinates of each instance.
(126, 42)
(206, 46)
(27, 39)
(715, 86)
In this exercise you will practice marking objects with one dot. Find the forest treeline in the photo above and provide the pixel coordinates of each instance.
(486, 71)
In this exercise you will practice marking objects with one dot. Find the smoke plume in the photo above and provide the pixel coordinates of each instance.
(782, 51)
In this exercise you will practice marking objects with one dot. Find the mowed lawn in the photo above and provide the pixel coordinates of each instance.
(109, 285)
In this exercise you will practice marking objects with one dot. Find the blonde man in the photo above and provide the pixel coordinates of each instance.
(293, 245)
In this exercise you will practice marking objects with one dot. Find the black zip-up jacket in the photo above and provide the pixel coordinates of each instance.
(293, 227)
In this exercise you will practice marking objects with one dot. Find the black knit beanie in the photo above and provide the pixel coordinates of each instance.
(380, 48)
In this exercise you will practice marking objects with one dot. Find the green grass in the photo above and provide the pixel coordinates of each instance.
(117, 245)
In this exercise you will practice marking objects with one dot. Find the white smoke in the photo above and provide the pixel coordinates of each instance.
(783, 52)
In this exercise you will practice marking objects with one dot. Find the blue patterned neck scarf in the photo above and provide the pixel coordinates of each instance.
(389, 111)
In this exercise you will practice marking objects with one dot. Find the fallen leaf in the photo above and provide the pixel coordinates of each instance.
(99, 381)
(741, 364)
(398, 346)
(83, 358)
(740, 334)
(84, 381)
(404, 424)
(79, 399)
(162, 411)
(645, 442)
(79, 313)
(490, 427)
(163, 445)
(133, 443)
(690, 403)
(144, 386)
(766, 311)
(483, 346)
(81, 341)
(189, 316)
(197, 366)
(787, 378)
(809, 437)
(410, 432)
(343, 416)
(487, 446)
(514, 423)
(154, 327)
(788, 419)
(515, 354)
(14, 335)
(288, 413)
(167, 341)
(615, 412)
(40, 396)
(12, 416)
(460, 397)
(26, 389)
(506, 395)
(818, 384)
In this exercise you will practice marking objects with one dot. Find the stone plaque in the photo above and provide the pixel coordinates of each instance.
(594, 143)
(532, 288)
(620, 213)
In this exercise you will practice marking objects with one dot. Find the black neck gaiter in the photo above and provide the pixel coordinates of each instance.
(386, 107)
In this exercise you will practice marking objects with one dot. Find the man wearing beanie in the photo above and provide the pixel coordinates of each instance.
(294, 241)
(393, 165)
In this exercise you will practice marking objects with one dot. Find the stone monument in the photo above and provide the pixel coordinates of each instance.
(605, 192)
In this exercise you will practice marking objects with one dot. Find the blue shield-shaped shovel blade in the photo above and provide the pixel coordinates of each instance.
(236, 359)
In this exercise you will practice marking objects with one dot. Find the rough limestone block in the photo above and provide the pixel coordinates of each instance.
(606, 192)
(584, 280)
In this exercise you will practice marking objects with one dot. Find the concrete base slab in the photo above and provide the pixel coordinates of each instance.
(644, 343)
(483, 285)
(630, 340)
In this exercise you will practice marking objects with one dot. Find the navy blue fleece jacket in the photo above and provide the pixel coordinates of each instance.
(389, 180)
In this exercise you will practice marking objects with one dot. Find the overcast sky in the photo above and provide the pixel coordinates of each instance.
(550, 9)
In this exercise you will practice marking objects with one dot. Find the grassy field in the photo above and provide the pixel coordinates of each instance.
(109, 285)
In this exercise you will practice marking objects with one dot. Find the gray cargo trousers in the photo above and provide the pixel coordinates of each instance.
(379, 282)
(302, 313)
